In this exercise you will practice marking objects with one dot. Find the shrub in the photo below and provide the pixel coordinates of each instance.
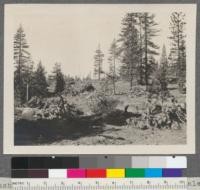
(99, 103)
(88, 87)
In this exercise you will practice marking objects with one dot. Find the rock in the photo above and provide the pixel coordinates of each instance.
(28, 114)
(18, 111)
(100, 139)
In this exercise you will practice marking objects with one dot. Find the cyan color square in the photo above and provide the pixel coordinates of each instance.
(153, 172)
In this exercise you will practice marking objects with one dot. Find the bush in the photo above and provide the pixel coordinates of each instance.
(57, 108)
(75, 88)
(99, 103)
(154, 87)
(88, 87)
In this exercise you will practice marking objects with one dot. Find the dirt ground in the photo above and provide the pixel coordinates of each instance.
(115, 135)
(88, 131)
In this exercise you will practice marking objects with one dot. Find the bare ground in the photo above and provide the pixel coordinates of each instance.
(115, 135)
(111, 131)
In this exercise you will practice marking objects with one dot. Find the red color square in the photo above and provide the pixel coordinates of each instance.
(96, 173)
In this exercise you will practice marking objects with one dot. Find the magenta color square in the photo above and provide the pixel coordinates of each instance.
(76, 173)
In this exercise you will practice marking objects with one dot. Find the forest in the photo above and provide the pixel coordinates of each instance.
(139, 100)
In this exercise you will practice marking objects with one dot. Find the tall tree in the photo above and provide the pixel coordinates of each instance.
(39, 81)
(112, 61)
(21, 58)
(178, 49)
(59, 79)
(28, 77)
(130, 49)
(150, 48)
(164, 61)
(141, 67)
(163, 72)
(98, 61)
(172, 68)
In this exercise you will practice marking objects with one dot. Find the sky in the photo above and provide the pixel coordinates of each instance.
(69, 34)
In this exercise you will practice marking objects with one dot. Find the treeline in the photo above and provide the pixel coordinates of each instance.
(28, 80)
(132, 57)
(135, 52)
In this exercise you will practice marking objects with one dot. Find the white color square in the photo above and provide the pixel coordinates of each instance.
(57, 173)
(176, 162)
(157, 162)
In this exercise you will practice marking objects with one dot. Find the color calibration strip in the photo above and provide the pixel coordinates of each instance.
(98, 173)
(99, 162)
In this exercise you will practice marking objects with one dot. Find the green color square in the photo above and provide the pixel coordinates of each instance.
(135, 172)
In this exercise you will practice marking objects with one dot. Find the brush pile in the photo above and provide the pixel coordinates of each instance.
(53, 108)
(137, 91)
(99, 103)
(169, 114)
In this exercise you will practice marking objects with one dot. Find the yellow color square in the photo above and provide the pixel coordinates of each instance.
(115, 173)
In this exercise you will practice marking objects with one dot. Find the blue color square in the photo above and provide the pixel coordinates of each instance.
(172, 172)
(153, 172)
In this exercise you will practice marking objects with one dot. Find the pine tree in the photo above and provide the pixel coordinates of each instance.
(98, 61)
(150, 48)
(163, 72)
(164, 61)
(21, 59)
(59, 79)
(178, 48)
(39, 81)
(130, 49)
(141, 67)
(112, 61)
(28, 77)
(172, 66)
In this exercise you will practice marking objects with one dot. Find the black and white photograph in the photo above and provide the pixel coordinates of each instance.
(99, 78)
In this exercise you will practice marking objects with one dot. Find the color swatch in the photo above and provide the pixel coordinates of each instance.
(153, 172)
(115, 173)
(135, 172)
(99, 167)
(98, 173)
(57, 173)
(76, 173)
(171, 172)
(99, 162)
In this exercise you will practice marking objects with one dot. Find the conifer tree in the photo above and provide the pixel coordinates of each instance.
(150, 48)
(21, 61)
(39, 81)
(59, 79)
(178, 48)
(98, 61)
(129, 38)
(141, 66)
(163, 72)
(112, 61)
(28, 77)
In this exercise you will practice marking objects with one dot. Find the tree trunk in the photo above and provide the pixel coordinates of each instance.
(27, 92)
(140, 64)
(131, 84)
(114, 56)
(19, 65)
(146, 54)
(179, 59)
(99, 77)
(113, 83)
(99, 71)
(63, 110)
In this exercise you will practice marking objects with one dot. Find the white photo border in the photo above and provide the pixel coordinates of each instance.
(189, 148)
